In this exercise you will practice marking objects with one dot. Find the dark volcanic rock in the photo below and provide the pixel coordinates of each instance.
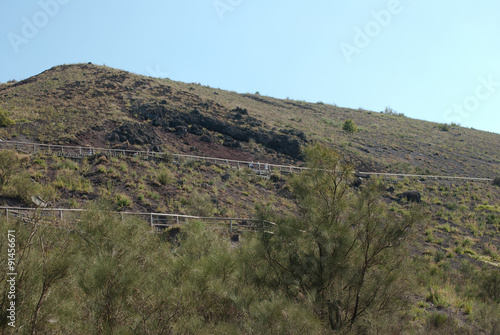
(134, 133)
(241, 111)
(233, 144)
(284, 143)
(357, 182)
(195, 129)
(206, 138)
(287, 145)
(298, 133)
(411, 196)
(180, 131)
(287, 141)
(151, 111)
(176, 122)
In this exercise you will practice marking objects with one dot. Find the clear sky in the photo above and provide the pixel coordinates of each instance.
(432, 60)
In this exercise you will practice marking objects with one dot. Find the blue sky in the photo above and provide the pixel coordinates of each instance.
(431, 60)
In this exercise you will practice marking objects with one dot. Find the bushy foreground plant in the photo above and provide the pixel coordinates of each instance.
(102, 275)
(338, 266)
(344, 253)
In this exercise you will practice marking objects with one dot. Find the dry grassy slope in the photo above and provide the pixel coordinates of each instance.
(81, 103)
(67, 103)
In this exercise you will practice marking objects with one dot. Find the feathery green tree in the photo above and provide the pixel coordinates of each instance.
(344, 252)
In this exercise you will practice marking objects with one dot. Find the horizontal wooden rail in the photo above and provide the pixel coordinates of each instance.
(424, 176)
(81, 152)
(157, 221)
(257, 167)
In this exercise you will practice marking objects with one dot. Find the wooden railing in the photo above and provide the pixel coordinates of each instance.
(257, 167)
(157, 221)
(81, 152)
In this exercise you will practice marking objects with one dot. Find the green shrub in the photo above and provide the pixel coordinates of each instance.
(40, 162)
(467, 268)
(443, 127)
(154, 195)
(11, 164)
(437, 319)
(439, 256)
(165, 177)
(5, 121)
(350, 126)
(490, 284)
(123, 167)
(452, 206)
(493, 219)
(67, 164)
(48, 193)
(73, 181)
(123, 200)
(435, 298)
(466, 242)
(490, 250)
(445, 227)
(466, 306)
(200, 205)
(24, 188)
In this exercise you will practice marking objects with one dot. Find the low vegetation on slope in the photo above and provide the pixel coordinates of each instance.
(447, 254)
(338, 258)
(85, 103)
(340, 263)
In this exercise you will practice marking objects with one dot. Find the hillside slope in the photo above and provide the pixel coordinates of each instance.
(86, 104)
(96, 105)
(454, 248)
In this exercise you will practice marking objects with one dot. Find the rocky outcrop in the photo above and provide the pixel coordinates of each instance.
(135, 134)
(288, 144)
(151, 112)
(237, 127)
